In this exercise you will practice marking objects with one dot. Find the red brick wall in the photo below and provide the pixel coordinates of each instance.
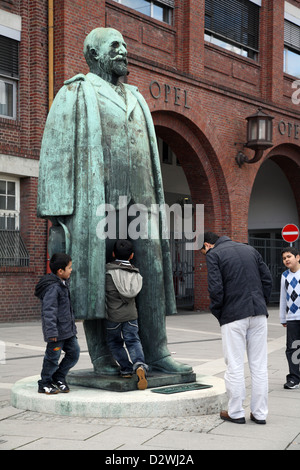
(73, 20)
(223, 89)
(17, 284)
(210, 92)
(22, 138)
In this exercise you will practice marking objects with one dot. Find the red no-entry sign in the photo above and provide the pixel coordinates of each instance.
(290, 233)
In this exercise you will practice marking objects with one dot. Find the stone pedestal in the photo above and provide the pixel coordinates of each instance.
(87, 378)
(93, 402)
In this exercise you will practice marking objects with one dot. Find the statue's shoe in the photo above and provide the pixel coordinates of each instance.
(105, 365)
(169, 366)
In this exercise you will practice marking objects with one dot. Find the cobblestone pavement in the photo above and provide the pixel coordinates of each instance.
(199, 424)
(193, 338)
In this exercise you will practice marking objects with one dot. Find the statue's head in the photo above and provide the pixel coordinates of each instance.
(106, 53)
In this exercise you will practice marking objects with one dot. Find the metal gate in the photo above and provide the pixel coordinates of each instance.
(183, 272)
(270, 249)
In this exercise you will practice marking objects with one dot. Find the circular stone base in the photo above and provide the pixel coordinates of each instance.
(88, 402)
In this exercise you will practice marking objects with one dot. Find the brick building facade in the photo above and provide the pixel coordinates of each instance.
(201, 82)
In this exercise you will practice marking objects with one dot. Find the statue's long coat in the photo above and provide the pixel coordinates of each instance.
(71, 187)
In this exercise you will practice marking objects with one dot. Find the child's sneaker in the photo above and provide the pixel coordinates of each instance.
(49, 390)
(61, 386)
(291, 385)
(142, 381)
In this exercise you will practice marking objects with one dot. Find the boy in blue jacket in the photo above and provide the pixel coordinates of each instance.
(58, 325)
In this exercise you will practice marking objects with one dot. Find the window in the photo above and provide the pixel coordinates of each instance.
(9, 72)
(12, 248)
(160, 10)
(8, 93)
(292, 49)
(9, 204)
(233, 25)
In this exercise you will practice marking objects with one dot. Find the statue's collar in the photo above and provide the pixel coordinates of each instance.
(96, 80)
(105, 89)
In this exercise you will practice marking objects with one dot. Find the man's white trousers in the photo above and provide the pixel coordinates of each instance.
(246, 335)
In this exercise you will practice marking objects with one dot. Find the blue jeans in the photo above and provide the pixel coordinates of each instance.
(125, 334)
(52, 371)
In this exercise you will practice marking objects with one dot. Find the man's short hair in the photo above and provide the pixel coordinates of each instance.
(210, 237)
(290, 249)
(123, 249)
(59, 261)
(93, 41)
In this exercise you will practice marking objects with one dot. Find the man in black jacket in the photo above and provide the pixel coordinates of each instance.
(239, 285)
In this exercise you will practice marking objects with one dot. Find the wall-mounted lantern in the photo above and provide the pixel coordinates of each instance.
(259, 135)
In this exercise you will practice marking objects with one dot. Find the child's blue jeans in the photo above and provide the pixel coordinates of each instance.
(52, 371)
(125, 333)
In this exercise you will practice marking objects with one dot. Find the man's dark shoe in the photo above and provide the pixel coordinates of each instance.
(225, 416)
(257, 421)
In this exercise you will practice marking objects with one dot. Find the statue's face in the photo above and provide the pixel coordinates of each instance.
(113, 54)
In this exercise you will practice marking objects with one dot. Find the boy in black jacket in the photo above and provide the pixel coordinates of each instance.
(58, 325)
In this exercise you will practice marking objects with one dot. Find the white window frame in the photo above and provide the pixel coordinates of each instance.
(222, 40)
(14, 83)
(169, 9)
(16, 212)
(11, 27)
(286, 65)
(291, 14)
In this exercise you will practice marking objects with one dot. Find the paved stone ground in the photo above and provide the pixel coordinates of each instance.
(194, 338)
(199, 424)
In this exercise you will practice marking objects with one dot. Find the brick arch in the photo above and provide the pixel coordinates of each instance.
(287, 157)
(201, 167)
(206, 181)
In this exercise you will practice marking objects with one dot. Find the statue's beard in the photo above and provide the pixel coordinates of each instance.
(116, 66)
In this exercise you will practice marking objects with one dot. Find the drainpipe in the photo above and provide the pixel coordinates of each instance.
(50, 52)
(50, 84)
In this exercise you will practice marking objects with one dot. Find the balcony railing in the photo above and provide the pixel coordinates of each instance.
(13, 251)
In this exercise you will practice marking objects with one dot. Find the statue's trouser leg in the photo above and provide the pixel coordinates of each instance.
(95, 333)
(99, 353)
(152, 309)
(151, 300)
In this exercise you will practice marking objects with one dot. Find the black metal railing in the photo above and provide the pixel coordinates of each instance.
(13, 251)
(270, 250)
(183, 271)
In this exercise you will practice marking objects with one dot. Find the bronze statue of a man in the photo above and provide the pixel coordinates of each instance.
(99, 147)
